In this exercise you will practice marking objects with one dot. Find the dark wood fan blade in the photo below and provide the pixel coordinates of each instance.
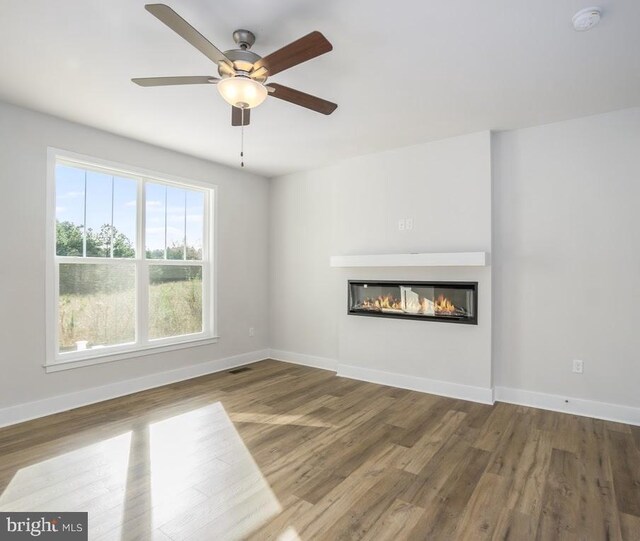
(304, 100)
(168, 81)
(236, 116)
(181, 27)
(295, 53)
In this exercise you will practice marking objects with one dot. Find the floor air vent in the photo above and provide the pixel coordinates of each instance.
(239, 370)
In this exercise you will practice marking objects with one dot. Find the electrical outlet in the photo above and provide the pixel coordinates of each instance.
(252, 331)
(578, 366)
(408, 224)
(401, 225)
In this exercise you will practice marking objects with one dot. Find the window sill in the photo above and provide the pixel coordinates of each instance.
(57, 366)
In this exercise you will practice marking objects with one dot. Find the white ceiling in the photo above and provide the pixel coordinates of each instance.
(402, 71)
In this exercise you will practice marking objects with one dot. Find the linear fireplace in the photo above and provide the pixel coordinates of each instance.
(453, 302)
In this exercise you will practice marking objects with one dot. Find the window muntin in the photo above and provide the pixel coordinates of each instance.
(111, 296)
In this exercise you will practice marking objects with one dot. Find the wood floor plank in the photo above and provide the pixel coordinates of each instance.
(630, 527)
(409, 409)
(635, 433)
(438, 472)
(335, 505)
(443, 521)
(482, 515)
(320, 483)
(418, 456)
(364, 512)
(281, 527)
(431, 417)
(477, 414)
(506, 457)
(568, 433)
(561, 501)
(514, 525)
(292, 453)
(529, 478)
(501, 419)
(625, 466)
(395, 523)
(596, 482)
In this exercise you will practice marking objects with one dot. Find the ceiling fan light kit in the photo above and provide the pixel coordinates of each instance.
(241, 91)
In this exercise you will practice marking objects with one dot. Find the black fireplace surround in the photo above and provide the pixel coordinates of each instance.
(451, 302)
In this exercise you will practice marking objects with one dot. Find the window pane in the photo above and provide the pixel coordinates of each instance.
(98, 214)
(69, 210)
(176, 216)
(109, 208)
(175, 300)
(125, 201)
(96, 305)
(195, 224)
(155, 195)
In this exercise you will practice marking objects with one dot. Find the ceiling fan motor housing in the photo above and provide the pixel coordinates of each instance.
(243, 61)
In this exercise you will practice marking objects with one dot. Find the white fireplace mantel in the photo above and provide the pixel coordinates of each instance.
(442, 259)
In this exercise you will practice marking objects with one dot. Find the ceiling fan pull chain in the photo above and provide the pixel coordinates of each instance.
(242, 139)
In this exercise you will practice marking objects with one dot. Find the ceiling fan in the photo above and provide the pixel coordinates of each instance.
(243, 73)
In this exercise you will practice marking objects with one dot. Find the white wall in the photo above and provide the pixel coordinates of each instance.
(242, 255)
(566, 240)
(353, 208)
(567, 258)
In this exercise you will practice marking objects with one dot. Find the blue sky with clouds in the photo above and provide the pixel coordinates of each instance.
(167, 207)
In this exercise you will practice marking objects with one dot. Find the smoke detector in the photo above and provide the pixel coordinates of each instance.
(586, 19)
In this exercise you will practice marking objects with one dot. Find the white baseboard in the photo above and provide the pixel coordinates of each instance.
(575, 406)
(589, 408)
(56, 404)
(414, 383)
(306, 360)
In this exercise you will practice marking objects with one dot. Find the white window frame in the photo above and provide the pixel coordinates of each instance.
(56, 361)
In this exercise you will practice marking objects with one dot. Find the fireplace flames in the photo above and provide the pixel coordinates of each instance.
(421, 305)
(445, 306)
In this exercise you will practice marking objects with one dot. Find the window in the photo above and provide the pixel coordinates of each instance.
(130, 266)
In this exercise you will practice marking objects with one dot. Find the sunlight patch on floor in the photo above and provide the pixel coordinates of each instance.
(73, 481)
(238, 498)
(186, 477)
(290, 534)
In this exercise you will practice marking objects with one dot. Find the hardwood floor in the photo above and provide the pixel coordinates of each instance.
(288, 452)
